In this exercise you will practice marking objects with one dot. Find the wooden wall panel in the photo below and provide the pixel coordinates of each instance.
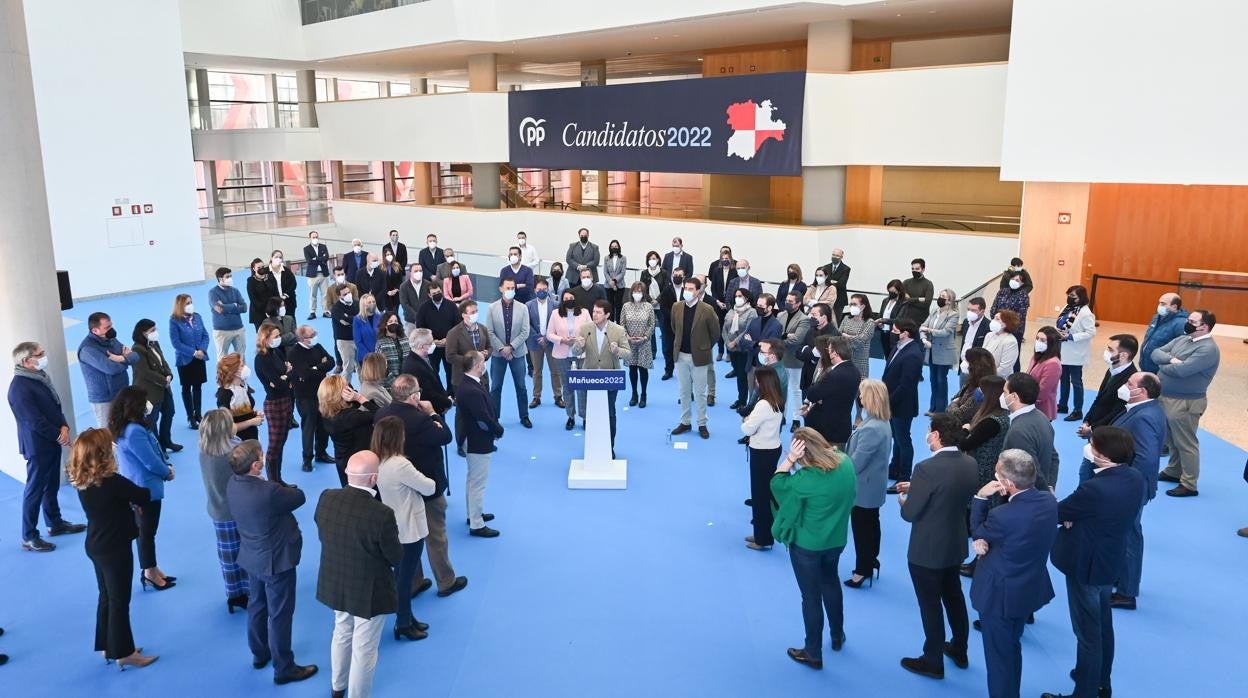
(1052, 252)
(871, 55)
(1150, 231)
(743, 60)
(786, 198)
(864, 194)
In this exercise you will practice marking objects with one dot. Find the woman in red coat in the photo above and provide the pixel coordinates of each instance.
(1046, 368)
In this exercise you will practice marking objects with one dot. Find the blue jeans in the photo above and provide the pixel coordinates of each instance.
(940, 386)
(820, 584)
(403, 576)
(903, 449)
(519, 374)
(1072, 381)
(1094, 636)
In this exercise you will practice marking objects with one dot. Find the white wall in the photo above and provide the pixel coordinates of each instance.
(1150, 92)
(930, 116)
(457, 127)
(110, 96)
(960, 261)
(950, 50)
(250, 28)
(275, 144)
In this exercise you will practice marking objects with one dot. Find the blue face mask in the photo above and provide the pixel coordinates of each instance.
(542, 295)
(979, 395)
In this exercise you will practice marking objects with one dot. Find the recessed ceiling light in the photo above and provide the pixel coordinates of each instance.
(699, 59)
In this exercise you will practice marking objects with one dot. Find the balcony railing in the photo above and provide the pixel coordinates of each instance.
(237, 114)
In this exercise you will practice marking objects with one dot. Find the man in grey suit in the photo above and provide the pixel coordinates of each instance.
(359, 549)
(935, 502)
(507, 324)
(269, 549)
(1029, 429)
(583, 255)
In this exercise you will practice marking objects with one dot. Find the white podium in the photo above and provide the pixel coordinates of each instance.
(597, 470)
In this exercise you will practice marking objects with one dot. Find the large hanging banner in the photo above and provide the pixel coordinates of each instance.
(748, 124)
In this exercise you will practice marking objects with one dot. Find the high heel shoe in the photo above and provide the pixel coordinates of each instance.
(136, 660)
(641, 403)
(145, 583)
(858, 584)
(239, 602)
(137, 650)
(410, 633)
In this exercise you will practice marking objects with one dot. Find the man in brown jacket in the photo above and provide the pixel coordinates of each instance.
(695, 328)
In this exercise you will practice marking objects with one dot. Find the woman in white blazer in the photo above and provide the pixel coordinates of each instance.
(1001, 342)
(403, 488)
(1077, 326)
(762, 429)
(939, 335)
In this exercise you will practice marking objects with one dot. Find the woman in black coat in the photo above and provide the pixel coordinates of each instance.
(155, 376)
(348, 419)
(259, 291)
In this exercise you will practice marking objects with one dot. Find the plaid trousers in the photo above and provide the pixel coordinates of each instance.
(227, 552)
(278, 414)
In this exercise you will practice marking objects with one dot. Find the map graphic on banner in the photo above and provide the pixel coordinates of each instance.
(752, 126)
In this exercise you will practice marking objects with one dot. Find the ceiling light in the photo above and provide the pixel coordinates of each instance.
(699, 59)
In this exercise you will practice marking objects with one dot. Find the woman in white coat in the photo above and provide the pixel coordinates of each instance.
(1077, 326)
(1001, 342)
(938, 333)
(403, 488)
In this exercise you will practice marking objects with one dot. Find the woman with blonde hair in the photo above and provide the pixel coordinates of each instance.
(870, 448)
(216, 440)
(364, 326)
(234, 394)
(348, 418)
(274, 372)
(109, 500)
(373, 379)
(812, 519)
(403, 488)
(189, 336)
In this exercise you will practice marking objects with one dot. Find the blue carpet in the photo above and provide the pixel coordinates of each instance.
(643, 591)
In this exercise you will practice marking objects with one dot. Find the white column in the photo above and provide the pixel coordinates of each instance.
(31, 309)
(203, 96)
(829, 47)
(270, 89)
(305, 87)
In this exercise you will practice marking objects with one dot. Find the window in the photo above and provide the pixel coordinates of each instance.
(400, 89)
(363, 181)
(237, 100)
(244, 187)
(358, 89)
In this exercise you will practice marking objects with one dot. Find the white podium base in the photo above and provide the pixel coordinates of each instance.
(611, 475)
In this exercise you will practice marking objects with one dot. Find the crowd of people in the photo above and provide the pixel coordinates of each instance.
(417, 364)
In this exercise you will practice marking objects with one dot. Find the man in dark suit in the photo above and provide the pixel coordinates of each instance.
(41, 432)
(355, 260)
(269, 547)
(901, 376)
(316, 270)
(718, 275)
(425, 433)
(359, 549)
(310, 363)
(821, 323)
(1029, 429)
(1011, 576)
(1090, 548)
(371, 279)
(397, 249)
(479, 423)
(1107, 406)
(972, 331)
(1146, 422)
(678, 259)
(431, 256)
(417, 364)
(541, 350)
(837, 273)
(935, 503)
(742, 279)
(438, 315)
(832, 397)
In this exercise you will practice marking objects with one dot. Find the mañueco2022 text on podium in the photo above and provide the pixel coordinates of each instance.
(597, 470)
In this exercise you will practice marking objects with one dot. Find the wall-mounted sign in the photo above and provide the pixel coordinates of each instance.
(748, 124)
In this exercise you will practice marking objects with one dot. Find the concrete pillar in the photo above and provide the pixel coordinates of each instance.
(420, 85)
(485, 185)
(31, 311)
(212, 193)
(315, 179)
(305, 87)
(829, 47)
(383, 88)
(483, 72)
(276, 176)
(422, 183)
(270, 88)
(387, 180)
(632, 192)
(203, 97)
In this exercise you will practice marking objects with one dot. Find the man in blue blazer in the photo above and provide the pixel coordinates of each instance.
(475, 413)
(901, 376)
(1090, 548)
(270, 544)
(541, 351)
(41, 432)
(1146, 421)
(355, 261)
(678, 259)
(1011, 579)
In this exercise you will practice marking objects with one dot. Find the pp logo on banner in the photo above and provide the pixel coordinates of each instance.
(532, 133)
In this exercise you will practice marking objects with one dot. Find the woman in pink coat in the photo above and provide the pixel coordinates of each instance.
(1046, 368)
(561, 331)
(457, 286)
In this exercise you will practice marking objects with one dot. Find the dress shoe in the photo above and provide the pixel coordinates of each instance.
(461, 452)
(1182, 491)
(703, 432)
(1062, 409)
(457, 585)
(730, 374)
(425, 585)
(172, 447)
(1122, 601)
(257, 663)
(720, 357)
(337, 694)
(892, 489)
(801, 657)
(665, 377)
(916, 665)
(736, 405)
(958, 657)
(136, 660)
(484, 517)
(795, 426)
(1075, 416)
(570, 425)
(294, 424)
(710, 401)
(423, 627)
(311, 316)
(38, 545)
(857, 584)
(307, 467)
(323, 458)
(642, 402)
(325, 315)
(838, 642)
(743, 440)
(192, 425)
(560, 403)
(524, 422)
(299, 673)
(749, 539)
(535, 403)
(749, 503)
(1243, 532)
(680, 429)
(1102, 692)
(1166, 477)
(632, 400)
(66, 528)
(967, 570)
(755, 546)
(411, 632)
(977, 625)
(483, 532)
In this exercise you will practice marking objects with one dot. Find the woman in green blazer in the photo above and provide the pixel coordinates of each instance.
(812, 519)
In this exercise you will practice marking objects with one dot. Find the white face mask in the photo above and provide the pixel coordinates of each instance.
(314, 239)
(189, 308)
(1109, 358)
(1124, 393)
(1005, 404)
(275, 342)
(814, 351)
(450, 258)
(972, 316)
(966, 368)
(1016, 284)
(819, 278)
(653, 264)
(148, 409)
(1162, 309)
(513, 259)
(432, 245)
(394, 239)
(687, 295)
(472, 318)
(356, 249)
(244, 372)
(153, 336)
(586, 283)
(762, 358)
(339, 278)
(276, 263)
(1041, 347)
(509, 294)
(227, 281)
(281, 311)
(676, 250)
(996, 326)
(41, 363)
(743, 273)
(636, 296)
(455, 272)
(417, 275)
(855, 310)
(739, 302)
(374, 265)
(346, 298)
(520, 241)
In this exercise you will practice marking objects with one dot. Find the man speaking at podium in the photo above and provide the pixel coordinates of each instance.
(601, 346)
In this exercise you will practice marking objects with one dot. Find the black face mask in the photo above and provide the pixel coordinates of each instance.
(1073, 300)
(584, 239)
(435, 297)
(792, 276)
(395, 330)
(917, 274)
(615, 250)
(941, 302)
(111, 334)
(1188, 328)
(725, 262)
(556, 275)
(569, 305)
(892, 294)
